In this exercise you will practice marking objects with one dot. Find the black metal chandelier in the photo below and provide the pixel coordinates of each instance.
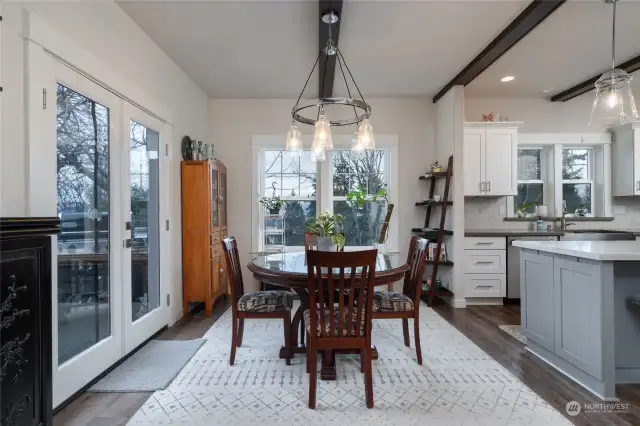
(363, 138)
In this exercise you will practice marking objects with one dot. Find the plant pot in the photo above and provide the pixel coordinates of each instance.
(581, 212)
(274, 211)
(325, 244)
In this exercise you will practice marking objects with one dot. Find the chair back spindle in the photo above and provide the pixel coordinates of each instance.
(234, 268)
(416, 259)
(349, 279)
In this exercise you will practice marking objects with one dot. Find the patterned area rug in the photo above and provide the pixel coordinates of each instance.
(458, 384)
(514, 331)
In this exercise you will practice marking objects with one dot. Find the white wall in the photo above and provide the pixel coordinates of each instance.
(541, 116)
(234, 121)
(107, 33)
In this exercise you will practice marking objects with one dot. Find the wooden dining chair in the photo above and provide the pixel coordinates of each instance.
(405, 305)
(257, 305)
(340, 319)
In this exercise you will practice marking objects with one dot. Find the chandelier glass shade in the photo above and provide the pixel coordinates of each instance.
(614, 103)
(313, 112)
(294, 141)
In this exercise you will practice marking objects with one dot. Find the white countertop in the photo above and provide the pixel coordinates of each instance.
(595, 250)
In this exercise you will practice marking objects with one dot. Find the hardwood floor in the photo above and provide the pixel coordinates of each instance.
(115, 409)
(480, 325)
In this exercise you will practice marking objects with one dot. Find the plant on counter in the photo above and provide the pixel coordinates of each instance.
(327, 226)
(581, 210)
(273, 204)
(523, 209)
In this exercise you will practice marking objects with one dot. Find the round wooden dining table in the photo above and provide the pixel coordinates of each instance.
(289, 270)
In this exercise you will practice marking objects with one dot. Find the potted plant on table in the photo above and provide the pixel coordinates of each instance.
(327, 227)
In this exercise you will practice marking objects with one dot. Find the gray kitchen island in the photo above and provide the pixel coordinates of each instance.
(580, 309)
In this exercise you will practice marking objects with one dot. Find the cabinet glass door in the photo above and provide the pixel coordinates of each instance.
(214, 199)
(223, 199)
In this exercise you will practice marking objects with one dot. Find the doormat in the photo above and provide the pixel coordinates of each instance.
(152, 368)
(514, 331)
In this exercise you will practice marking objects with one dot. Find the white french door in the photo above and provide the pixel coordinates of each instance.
(144, 174)
(112, 192)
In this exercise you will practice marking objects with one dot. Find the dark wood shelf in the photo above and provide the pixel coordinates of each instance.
(432, 203)
(430, 232)
(431, 262)
(434, 175)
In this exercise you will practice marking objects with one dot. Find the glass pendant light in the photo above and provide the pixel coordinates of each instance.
(356, 145)
(321, 138)
(614, 103)
(293, 145)
(365, 134)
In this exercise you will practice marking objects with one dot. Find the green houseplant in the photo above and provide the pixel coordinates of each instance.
(273, 204)
(327, 226)
(523, 209)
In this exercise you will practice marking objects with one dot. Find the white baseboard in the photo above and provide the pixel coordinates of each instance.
(492, 301)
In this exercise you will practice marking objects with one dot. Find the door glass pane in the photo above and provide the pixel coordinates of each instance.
(214, 198)
(145, 219)
(83, 208)
(223, 199)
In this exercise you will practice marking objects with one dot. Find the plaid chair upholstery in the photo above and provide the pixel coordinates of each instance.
(354, 328)
(266, 301)
(387, 301)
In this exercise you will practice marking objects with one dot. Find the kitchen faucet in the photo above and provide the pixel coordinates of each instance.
(563, 222)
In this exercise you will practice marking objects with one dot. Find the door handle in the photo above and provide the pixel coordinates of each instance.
(489, 184)
(128, 226)
(127, 243)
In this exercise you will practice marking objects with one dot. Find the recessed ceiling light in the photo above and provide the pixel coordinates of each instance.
(546, 90)
(507, 78)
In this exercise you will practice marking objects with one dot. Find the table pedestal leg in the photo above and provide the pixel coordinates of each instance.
(297, 322)
(328, 371)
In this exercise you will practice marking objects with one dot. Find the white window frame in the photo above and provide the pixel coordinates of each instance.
(324, 182)
(551, 173)
(543, 175)
(559, 183)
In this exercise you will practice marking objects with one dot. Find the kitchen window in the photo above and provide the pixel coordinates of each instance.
(554, 174)
(308, 188)
(530, 179)
(577, 179)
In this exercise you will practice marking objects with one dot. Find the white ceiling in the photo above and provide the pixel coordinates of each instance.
(265, 49)
(570, 46)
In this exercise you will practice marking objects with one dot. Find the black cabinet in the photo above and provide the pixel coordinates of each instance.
(25, 321)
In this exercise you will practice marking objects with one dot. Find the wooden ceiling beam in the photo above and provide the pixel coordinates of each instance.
(527, 20)
(629, 66)
(327, 64)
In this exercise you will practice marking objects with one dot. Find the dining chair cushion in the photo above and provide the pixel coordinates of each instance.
(388, 301)
(266, 301)
(336, 321)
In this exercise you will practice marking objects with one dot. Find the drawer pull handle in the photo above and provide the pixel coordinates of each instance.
(484, 286)
(484, 244)
(484, 262)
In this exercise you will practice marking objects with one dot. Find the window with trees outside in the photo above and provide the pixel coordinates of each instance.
(577, 179)
(530, 183)
(559, 176)
(301, 186)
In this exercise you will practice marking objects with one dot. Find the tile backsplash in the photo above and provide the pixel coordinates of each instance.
(484, 213)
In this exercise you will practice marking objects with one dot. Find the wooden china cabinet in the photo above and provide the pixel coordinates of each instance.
(204, 226)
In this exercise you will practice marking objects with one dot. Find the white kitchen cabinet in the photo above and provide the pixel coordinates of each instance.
(485, 267)
(626, 159)
(490, 153)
